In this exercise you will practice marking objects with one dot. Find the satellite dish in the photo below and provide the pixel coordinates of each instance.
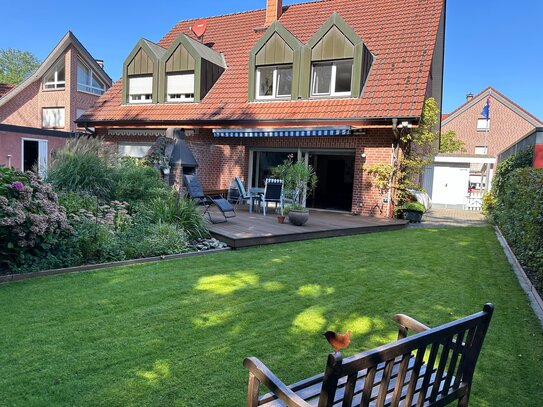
(199, 28)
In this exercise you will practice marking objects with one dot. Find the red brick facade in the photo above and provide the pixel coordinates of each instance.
(508, 123)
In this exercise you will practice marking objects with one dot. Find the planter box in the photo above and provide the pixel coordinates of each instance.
(412, 216)
(298, 218)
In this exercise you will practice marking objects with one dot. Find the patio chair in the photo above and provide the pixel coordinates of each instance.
(195, 191)
(273, 192)
(244, 195)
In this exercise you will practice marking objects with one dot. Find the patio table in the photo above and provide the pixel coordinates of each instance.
(253, 193)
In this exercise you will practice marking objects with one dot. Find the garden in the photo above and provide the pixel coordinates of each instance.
(176, 332)
(93, 207)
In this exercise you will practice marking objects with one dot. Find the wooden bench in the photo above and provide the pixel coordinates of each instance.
(433, 367)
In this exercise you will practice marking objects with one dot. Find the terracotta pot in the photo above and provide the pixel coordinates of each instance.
(281, 219)
(298, 218)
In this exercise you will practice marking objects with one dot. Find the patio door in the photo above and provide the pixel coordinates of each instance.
(34, 155)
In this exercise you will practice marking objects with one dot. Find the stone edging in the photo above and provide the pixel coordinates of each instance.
(92, 267)
(535, 300)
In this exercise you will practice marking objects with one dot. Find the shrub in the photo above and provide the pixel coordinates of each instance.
(488, 205)
(172, 208)
(413, 206)
(147, 240)
(74, 202)
(518, 211)
(96, 242)
(31, 220)
(84, 165)
(135, 182)
(522, 159)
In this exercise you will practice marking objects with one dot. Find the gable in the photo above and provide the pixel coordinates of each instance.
(180, 60)
(333, 45)
(141, 64)
(275, 51)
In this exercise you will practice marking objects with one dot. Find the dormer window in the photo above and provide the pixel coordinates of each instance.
(87, 80)
(332, 78)
(274, 82)
(140, 89)
(180, 87)
(56, 77)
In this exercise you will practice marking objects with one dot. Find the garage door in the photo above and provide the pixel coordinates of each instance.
(450, 185)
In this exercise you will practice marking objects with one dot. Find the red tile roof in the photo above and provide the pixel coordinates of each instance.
(402, 38)
(5, 88)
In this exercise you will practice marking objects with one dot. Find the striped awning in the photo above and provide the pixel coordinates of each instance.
(284, 132)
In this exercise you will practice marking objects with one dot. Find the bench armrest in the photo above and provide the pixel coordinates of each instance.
(276, 386)
(406, 322)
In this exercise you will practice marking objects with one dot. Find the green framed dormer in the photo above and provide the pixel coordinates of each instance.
(141, 73)
(335, 62)
(274, 65)
(188, 71)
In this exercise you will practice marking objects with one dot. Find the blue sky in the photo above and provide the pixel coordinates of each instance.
(489, 42)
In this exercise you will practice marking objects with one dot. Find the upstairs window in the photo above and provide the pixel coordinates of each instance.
(332, 78)
(87, 81)
(180, 87)
(274, 82)
(53, 118)
(56, 77)
(483, 124)
(140, 89)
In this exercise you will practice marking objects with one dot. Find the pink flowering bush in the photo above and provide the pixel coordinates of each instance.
(31, 219)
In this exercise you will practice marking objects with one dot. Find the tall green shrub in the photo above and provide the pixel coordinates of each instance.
(522, 159)
(518, 211)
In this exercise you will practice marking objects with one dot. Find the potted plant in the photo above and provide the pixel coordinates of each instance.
(412, 211)
(298, 179)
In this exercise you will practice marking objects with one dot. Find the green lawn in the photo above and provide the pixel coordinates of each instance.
(176, 333)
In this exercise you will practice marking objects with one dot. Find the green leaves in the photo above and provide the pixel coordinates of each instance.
(16, 65)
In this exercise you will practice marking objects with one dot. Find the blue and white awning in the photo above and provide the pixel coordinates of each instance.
(284, 132)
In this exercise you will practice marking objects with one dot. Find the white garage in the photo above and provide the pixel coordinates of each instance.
(447, 180)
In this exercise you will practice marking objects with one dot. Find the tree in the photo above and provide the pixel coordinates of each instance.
(450, 144)
(16, 65)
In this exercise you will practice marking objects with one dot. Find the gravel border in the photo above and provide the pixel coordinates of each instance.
(93, 267)
(535, 300)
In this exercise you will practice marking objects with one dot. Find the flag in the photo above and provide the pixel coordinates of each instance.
(486, 110)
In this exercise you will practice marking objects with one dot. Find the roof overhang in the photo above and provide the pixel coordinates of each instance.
(465, 159)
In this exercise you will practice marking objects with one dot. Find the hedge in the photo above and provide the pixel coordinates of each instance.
(518, 211)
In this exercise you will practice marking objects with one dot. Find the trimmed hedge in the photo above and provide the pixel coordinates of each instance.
(518, 211)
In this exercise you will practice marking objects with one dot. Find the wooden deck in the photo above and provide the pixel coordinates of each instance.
(253, 229)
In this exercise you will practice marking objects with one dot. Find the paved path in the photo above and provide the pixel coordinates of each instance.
(442, 217)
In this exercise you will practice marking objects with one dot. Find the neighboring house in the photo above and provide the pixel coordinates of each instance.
(37, 116)
(327, 81)
(453, 176)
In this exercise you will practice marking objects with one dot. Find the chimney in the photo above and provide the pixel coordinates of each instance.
(274, 9)
(100, 63)
(469, 96)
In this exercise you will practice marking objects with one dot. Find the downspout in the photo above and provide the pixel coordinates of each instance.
(393, 159)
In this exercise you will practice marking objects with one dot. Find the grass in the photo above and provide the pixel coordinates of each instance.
(176, 333)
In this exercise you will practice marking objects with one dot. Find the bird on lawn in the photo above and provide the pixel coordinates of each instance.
(338, 341)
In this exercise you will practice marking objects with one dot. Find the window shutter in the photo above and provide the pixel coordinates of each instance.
(141, 85)
(182, 83)
(53, 118)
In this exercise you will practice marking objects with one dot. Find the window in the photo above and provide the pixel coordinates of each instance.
(56, 77)
(137, 150)
(140, 89)
(180, 87)
(87, 81)
(483, 124)
(274, 82)
(332, 78)
(481, 150)
(53, 118)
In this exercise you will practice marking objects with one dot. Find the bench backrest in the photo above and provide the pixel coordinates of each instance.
(451, 349)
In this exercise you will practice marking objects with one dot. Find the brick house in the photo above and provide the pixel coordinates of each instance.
(328, 81)
(38, 115)
(452, 176)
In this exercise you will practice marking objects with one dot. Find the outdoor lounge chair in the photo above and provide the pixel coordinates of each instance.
(195, 191)
(273, 192)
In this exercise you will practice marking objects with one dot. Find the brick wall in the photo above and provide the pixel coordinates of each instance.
(506, 127)
(11, 144)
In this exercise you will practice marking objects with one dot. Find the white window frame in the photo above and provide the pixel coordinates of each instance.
(89, 88)
(483, 124)
(52, 108)
(172, 97)
(274, 86)
(482, 150)
(56, 84)
(136, 98)
(333, 92)
(121, 147)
